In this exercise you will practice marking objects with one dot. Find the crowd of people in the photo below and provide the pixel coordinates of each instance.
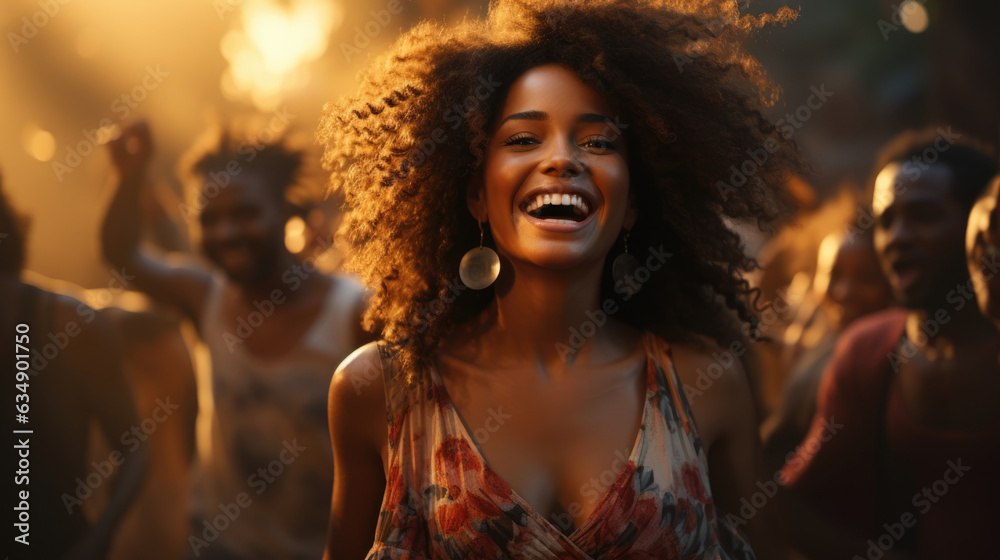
(548, 338)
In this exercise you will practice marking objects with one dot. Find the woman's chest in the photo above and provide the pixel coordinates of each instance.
(558, 447)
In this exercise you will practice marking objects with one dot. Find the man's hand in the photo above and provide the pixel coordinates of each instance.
(132, 150)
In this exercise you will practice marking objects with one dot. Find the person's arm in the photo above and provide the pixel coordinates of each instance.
(358, 431)
(185, 288)
(95, 356)
(726, 420)
(828, 481)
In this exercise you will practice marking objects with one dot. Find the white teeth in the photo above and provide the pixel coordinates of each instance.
(559, 200)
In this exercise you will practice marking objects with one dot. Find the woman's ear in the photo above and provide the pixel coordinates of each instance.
(475, 197)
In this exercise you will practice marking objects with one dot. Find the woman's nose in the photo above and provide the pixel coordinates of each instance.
(563, 160)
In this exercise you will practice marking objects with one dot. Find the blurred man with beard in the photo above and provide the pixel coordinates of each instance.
(275, 328)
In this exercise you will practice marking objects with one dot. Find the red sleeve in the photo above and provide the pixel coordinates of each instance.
(833, 469)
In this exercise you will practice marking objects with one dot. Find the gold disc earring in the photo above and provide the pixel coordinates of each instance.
(480, 267)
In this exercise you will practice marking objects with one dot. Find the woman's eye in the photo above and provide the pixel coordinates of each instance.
(599, 143)
(520, 140)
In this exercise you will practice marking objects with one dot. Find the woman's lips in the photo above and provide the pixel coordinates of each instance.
(575, 205)
(558, 225)
(558, 211)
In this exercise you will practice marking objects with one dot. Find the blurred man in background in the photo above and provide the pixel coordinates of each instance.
(903, 446)
(275, 328)
(75, 377)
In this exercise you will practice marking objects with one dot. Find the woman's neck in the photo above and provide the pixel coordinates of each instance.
(547, 319)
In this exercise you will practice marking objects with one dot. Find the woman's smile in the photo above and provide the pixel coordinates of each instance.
(559, 208)
(556, 177)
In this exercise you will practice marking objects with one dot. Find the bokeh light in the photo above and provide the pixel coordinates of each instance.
(39, 143)
(295, 234)
(914, 16)
(268, 55)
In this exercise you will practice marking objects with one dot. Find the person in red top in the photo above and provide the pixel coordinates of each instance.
(905, 443)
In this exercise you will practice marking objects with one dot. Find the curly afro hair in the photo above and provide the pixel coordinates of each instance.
(253, 145)
(404, 149)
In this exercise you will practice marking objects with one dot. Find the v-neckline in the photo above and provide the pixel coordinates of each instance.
(602, 504)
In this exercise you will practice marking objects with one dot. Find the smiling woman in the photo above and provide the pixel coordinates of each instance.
(607, 131)
(555, 182)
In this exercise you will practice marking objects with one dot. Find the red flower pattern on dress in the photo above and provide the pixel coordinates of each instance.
(492, 485)
(395, 487)
(480, 507)
(396, 426)
(622, 499)
(483, 547)
(647, 508)
(693, 483)
(452, 518)
(688, 513)
(444, 502)
(456, 454)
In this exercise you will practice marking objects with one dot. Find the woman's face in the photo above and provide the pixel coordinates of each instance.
(856, 286)
(555, 182)
(983, 250)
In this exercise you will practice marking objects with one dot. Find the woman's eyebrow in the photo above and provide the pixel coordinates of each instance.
(541, 116)
(594, 118)
(526, 115)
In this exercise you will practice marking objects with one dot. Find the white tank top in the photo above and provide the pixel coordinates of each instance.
(268, 470)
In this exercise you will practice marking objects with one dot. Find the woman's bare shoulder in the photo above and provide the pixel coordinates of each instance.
(357, 395)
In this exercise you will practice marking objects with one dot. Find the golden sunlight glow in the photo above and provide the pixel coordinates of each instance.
(914, 16)
(88, 42)
(885, 188)
(797, 290)
(825, 260)
(295, 234)
(39, 143)
(268, 56)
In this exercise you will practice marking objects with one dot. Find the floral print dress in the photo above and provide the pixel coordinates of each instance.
(443, 501)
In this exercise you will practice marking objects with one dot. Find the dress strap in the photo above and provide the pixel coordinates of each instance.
(395, 390)
(667, 383)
